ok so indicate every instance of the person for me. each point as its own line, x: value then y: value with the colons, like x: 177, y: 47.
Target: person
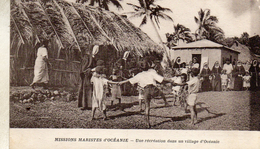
x: 176, y: 89
x: 224, y: 80
x: 229, y: 68
x: 99, y: 94
x: 254, y: 71
x: 40, y: 68
x: 195, y: 63
x: 184, y: 68
x: 147, y: 81
x: 115, y: 88
x: 177, y: 63
x: 238, y: 74
x: 246, y: 81
x: 193, y: 89
x: 85, y: 86
x: 205, y: 74
x: 216, y: 80
x: 247, y: 65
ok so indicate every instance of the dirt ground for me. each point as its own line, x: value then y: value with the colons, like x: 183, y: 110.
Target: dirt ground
x: 216, y: 111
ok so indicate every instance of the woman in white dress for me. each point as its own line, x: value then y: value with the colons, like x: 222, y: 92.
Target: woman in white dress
x: 40, y: 67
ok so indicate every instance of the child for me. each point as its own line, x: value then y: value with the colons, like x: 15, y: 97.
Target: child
x: 246, y: 81
x: 224, y: 80
x: 116, y: 89
x: 99, y: 82
x: 176, y: 89
x: 147, y: 80
x: 193, y: 89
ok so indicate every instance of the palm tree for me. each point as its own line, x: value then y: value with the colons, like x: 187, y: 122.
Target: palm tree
x: 151, y: 11
x: 207, y: 26
x: 180, y: 33
x: 102, y: 3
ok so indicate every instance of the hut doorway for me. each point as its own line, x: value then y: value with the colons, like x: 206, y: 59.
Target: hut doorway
x: 198, y: 56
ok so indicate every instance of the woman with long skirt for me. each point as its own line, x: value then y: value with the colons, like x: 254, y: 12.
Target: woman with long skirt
x: 254, y: 71
x: 205, y: 74
x: 238, y: 74
x: 216, y: 80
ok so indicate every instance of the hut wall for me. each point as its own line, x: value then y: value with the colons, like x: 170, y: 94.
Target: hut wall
x: 186, y: 55
x: 63, y: 73
x: 228, y: 54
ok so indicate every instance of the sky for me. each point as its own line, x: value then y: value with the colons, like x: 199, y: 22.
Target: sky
x: 235, y: 16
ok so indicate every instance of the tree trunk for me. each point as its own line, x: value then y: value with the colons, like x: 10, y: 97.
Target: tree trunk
x: 157, y: 32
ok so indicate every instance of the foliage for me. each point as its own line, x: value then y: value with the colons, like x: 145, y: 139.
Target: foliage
x: 102, y: 3
x: 208, y: 28
x: 147, y: 8
x: 180, y: 33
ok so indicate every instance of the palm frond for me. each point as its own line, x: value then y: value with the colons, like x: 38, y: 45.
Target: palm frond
x: 144, y: 21
x: 116, y: 3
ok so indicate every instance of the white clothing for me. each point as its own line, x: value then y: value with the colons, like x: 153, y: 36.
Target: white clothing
x: 193, y: 88
x: 246, y: 81
x: 176, y: 89
x: 146, y: 78
x: 229, y: 68
x: 224, y: 79
x: 196, y: 65
x: 193, y: 85
x: 184, y: 70
x: 191, y: 99
x: 40, y: 67
x: 98, y: 91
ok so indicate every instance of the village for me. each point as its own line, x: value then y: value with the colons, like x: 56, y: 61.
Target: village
x: 84, y: 44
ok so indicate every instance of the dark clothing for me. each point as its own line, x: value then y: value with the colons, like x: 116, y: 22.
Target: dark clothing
x: 254, y: 81
x: 205, y: 85
x: 216, y: 81
x: 151, y: 91
x: 85, y: 86
x: 238, y: 73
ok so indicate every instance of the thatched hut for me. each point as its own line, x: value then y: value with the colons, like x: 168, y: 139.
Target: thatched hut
x: 245, y: 53
x: 73, y: 29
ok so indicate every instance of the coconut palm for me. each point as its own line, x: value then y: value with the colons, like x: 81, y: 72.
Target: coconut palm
x: 149, y: 10
x: 180, y: 33
x: 207, y: 26
x: 102, y: 3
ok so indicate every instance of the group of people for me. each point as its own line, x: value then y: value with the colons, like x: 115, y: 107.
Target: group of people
x: 236, y: 77
x: 94, y: 83
x: 147, y: 81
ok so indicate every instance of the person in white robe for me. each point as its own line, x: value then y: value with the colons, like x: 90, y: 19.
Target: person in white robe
x: 40, y: 67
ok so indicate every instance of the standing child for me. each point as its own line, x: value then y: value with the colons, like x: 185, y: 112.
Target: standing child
x: 176, y: 89
x: 224, y: 80
x: 115, y: 89
x: 99, y: 83
x: 246, y: 81
x: 193, y: 89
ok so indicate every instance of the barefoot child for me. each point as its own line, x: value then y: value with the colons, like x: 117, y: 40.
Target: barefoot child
x: 193, y: 89
x: 99, y: 82
x: 224, y: 80
x: 147, y: 80
x: 176, y: 89
x: 246, y: 81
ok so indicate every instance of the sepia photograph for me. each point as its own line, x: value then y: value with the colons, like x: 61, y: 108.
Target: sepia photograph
x: 115, y: 65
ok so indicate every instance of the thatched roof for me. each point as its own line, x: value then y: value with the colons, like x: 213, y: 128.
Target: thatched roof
x: 245, y: 53
x: 75, y: 26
